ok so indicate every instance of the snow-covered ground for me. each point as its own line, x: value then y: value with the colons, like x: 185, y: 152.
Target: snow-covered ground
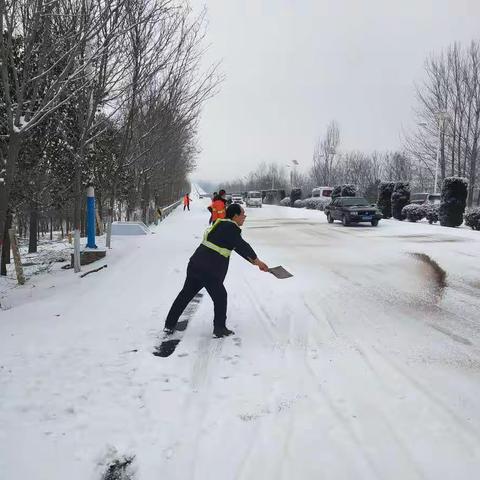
x: 364, y: 365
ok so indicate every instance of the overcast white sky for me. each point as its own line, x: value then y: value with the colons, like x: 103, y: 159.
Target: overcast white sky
x: 291, y: 66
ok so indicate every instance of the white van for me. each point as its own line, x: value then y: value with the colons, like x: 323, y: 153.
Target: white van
x: 323, y: 192
x: 254, y: 199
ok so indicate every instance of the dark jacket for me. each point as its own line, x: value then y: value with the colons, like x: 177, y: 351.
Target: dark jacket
x: 225, y: 235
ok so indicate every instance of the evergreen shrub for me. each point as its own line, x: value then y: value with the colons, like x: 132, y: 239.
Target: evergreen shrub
x: 400, y: 198
x: 453, y: 201
x: 384, y: 202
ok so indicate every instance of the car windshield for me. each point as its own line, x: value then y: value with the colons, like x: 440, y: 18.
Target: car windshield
x: 255, y: 195
x: 327, y: 193
x: 354, y: 201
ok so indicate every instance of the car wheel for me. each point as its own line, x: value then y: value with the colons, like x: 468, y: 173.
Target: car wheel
x: 345, y: 221
x: 374, y: 223
x: 329, y: 218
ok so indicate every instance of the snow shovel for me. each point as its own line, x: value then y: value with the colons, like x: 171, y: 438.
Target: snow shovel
x: 280, y: 272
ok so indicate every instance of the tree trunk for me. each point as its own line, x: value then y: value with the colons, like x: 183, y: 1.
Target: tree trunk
x: 16, y: 256
x: 6, y: 180
x: 442, y: 157
x: 145, y: 200
x: 83, y: 221
x: 33, y: 233
x: 77, y: 196
x: 6, y: 246
x: 472, y: 176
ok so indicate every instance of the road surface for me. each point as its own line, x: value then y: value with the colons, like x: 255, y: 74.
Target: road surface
x: 364, y: 365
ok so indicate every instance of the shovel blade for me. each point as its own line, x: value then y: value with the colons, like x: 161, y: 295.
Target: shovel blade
x: 280, y: 272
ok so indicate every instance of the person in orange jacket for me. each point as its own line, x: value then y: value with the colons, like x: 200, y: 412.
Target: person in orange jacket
x: 218, y: 206
x: 209, y: 208
x: 186, y: 202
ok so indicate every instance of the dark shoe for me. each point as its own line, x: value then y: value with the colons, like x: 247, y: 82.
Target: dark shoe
x: 169, y: 331
x: 222, y: 332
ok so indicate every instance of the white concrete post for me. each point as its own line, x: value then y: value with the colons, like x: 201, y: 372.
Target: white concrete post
x: 109, y: 232
x: 76, y: 251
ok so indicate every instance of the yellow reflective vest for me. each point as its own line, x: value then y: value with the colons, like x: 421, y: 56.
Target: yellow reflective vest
x: 225, y: 252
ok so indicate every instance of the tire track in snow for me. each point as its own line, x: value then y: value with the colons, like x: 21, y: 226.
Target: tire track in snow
x: 265, y: 424
x: 433, y: 399
x: 209, y: 348
x: 381, y: 421
x: 262, y: 314
x: 315, y: 316
x: 347, y: 425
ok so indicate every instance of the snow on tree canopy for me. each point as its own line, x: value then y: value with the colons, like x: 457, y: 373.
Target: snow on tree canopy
x: 349, y: 190
x: 345, y: 190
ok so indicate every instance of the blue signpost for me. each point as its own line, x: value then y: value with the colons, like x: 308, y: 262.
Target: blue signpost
x: 91, y: 218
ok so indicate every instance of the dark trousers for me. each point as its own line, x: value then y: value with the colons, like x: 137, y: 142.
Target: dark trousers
x: 195, y: 281
x: 187, y: 205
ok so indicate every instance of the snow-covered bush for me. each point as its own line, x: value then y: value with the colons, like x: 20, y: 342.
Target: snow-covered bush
x: 431, y: 212
x: 285, y: 202
x: 295, y: 194
x: 453, y: 201
x: 322, y: 202
x: 472, y: 218
x: 384, y: 201
x: 349, y: 190
x: 336, y: 192
x: 400, y: 198
x: 316, y: 203
x: 345, y: 190
x: 299, y: 203
x: 413, y: 212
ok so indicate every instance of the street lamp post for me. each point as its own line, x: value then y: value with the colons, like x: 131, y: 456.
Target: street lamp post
x: 292, y: 166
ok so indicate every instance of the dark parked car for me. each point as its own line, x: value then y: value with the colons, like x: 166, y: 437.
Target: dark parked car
x: 352, y: 210
x: 425, y: 198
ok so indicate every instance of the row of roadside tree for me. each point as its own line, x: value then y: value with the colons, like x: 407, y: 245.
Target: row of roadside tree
x: 446, y: 132
x: 96, y: 92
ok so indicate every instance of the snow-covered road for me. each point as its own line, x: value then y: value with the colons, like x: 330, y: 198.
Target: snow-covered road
x: 364, y: 365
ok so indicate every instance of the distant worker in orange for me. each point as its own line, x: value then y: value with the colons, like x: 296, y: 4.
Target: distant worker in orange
x: 209, y: 208
x: 186, y: 202
x: 218, y: 206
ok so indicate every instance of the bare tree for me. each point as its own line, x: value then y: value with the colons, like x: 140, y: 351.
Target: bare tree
x: 448, y: 117
x: 45, y: 72
x: 324, y: 155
